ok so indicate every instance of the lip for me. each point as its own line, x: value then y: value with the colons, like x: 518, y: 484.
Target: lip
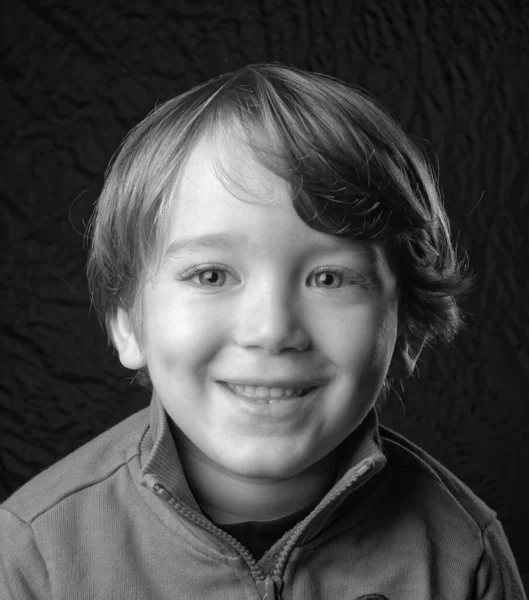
x: 283, y: 409
x: 276, y: 383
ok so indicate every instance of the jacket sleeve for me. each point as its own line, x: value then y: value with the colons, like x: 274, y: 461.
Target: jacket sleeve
x: 23, y: 572
x: 497, y: 576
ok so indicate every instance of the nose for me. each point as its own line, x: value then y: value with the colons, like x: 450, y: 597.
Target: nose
x: 271, y: 320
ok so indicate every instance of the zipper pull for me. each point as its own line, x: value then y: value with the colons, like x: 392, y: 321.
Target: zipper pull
x: 365, y: 468
x: 267, y: 589
x: 160, y: 491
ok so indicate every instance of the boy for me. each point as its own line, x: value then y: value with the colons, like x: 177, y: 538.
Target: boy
x: 269, y: 253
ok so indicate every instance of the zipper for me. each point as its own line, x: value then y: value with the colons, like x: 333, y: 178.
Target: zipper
x: 268, y: 586
x: 267, y: 589
x: 363, y: 469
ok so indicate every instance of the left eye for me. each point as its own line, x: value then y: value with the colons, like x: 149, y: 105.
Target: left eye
x: 213, y: 277
x: 328, y: 279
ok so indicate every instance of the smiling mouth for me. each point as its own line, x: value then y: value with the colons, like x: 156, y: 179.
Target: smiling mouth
x: 263, y: 393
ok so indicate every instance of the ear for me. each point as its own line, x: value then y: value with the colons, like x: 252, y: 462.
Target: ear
x: 405, y: 356
x: 130, y: 353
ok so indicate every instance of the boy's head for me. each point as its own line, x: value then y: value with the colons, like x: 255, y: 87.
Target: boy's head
x: 272, y: 229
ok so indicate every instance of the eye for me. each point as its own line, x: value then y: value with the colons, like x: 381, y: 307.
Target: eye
x: 328, y: 279
x: 212, y: 277
x: 205, y: 276
x: 333, y: 278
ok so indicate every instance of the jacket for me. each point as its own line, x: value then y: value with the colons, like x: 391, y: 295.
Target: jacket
x: 116, y: 520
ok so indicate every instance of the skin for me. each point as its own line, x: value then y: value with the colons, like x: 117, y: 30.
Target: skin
x: 268, y: 310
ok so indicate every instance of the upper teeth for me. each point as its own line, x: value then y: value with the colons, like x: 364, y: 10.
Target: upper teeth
x: 261, y: 391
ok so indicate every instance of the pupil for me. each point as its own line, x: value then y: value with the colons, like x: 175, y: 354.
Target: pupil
x: 212, y: 276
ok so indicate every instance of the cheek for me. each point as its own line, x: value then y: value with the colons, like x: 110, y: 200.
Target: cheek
x: 361, y: 338
x: 177, y: 334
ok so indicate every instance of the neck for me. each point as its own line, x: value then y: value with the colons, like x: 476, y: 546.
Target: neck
x: 228, y: 498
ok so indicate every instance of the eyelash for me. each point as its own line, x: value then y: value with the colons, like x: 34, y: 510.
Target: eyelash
x: 363, y: 280
x: 195, y: 269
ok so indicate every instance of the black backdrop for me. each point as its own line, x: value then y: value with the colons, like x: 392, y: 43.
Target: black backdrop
x: 76, y: 76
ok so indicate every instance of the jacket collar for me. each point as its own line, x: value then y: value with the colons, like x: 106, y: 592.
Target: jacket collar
x: 159, y: 457
x: 160, y: 461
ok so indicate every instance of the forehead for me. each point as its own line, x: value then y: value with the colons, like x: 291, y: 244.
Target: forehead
x: 222, y: 187
x: 223, y: 158
x: 226, y: 200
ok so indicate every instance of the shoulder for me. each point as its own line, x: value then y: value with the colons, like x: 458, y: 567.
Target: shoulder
x: 91, y: 464
x: 450, y: 524
x: 434, y: 488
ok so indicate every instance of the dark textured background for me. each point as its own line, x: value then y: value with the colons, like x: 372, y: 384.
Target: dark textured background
x: 76, y: 76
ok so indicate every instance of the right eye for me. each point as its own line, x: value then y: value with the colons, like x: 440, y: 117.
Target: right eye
x: 213, y: 277
x: 205, y: 276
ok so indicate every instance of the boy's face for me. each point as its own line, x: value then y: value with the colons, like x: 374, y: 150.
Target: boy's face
x: 249, y: 295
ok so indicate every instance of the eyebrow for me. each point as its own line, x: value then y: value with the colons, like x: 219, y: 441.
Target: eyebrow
x: 226, y: 241
x: 218, y: 241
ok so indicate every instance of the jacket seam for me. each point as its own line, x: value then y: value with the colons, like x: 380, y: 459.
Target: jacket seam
x: 80, y: 488
x: 37, y: 545
x: 497, y: 571
x: 430, y: 472
x: 438, y: 480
